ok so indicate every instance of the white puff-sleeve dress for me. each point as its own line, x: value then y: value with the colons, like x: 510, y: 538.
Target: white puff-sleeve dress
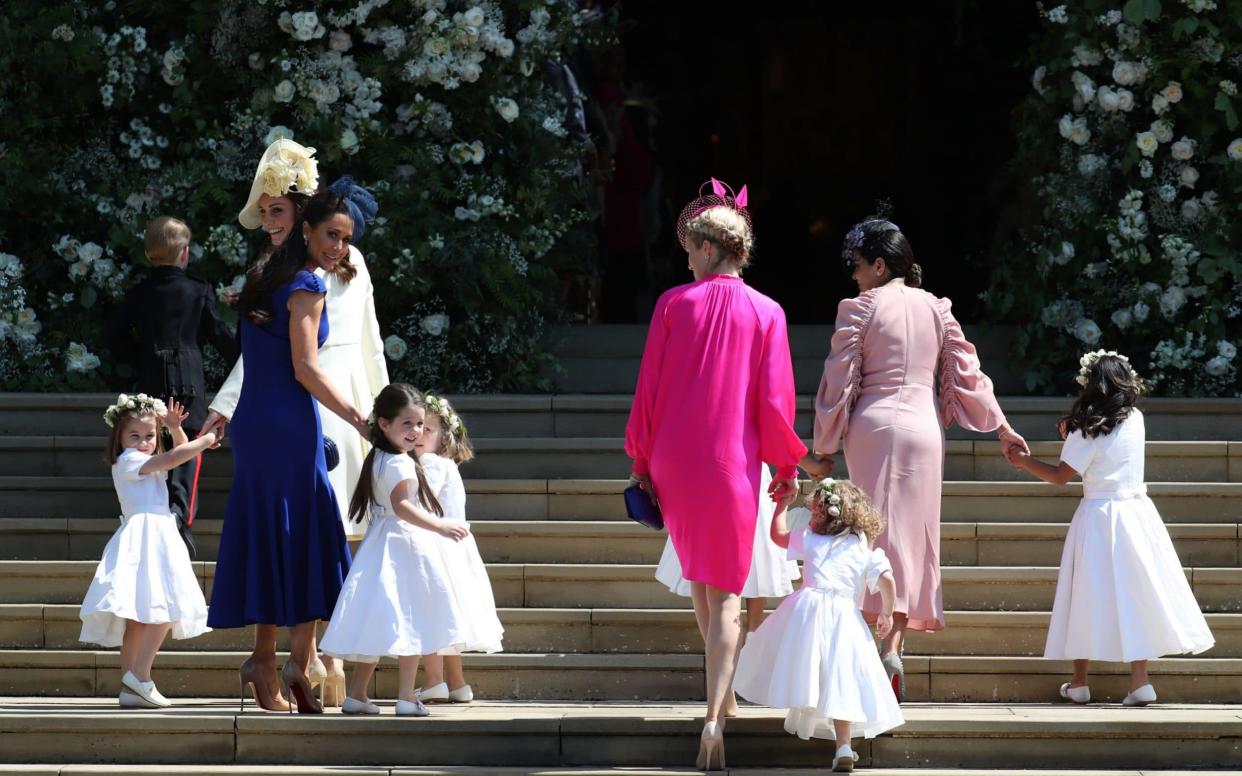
x: 398, y: 599
x: 353, y: 359
x: 1121, y: 592
x: 815, y: 655
x: 145, y: 574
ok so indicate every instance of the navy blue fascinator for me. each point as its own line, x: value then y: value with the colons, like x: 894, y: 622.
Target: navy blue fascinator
x: 361, y: 203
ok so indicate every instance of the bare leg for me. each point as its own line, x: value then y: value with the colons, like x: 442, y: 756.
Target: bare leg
x: 1138, y: 673
x: 896, y: 639
x: 407, y: 673
x: 842, y: 729
x: 433, y: 670
x: 149, y: 642
x: 454, y: 670
x: 302, y: 643
x: 755, y: 613
x: 129, y: 644
x: 724, y: 636
x: 698, y: 597
x: 1080, y: 674
x: 264, y: 654
x: 360, y: 681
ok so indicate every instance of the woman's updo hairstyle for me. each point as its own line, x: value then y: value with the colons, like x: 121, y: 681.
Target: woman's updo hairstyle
x: 726, y: 228
x: 879, y: 238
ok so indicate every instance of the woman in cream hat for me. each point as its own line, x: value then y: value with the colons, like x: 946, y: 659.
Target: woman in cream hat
x: 353, y: 356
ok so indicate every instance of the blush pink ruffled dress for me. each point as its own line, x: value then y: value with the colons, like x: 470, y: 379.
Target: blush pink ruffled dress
x: 715, y: 400
x: 899, y: 373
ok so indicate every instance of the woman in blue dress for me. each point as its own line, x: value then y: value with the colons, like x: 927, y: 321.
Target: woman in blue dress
x: 283, y: 553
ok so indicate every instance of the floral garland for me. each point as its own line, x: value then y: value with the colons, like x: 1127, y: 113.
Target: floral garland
x: 441, y: 407
x: 139, y: 404
x: 1087, y: 361
x: 826, y: 492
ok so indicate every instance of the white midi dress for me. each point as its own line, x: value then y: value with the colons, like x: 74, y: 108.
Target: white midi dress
x: 815, y: 655
x: 145, y: 574
x: 1121, y: 592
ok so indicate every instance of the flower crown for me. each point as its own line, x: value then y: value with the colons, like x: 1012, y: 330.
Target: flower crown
x: 441, y: 407
x: 826, y: 490
x: 140, y: 404
x: 1087, y: 361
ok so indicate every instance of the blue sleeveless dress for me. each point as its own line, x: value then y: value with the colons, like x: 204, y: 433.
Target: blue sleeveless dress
x: 283, y: 554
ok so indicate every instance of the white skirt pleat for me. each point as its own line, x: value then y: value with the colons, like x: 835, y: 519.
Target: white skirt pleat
x: 771, y: 572
x: 472, y: 592
x: 398, y: 599
x: 815, y: 656
x: 1121, y: 592
x: 345, y: 369
x: 145, y: 575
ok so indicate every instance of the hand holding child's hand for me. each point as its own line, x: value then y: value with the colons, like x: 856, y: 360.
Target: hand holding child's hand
x: 454, y: 531
x: 175, y: 415
x: 783, y: 492
x: 884, y: 625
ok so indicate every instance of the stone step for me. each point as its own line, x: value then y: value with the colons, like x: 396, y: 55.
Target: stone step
x: 599, y: 631
x: 1011, y: 738
x: 632, y: 586
x: 646, y: 677
x: 500, y: 770
x: 621, y: 541
x: 604, y: 457
x: 579, y: 500
x: 605, y: 415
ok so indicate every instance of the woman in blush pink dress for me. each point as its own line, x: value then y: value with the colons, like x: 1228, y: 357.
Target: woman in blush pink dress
x: 899, y: 373
x: 715, y: 401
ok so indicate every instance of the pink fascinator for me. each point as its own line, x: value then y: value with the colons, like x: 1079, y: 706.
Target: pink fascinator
x: 721, y: 196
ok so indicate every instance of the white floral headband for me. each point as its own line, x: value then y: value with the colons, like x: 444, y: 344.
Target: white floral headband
x: 1087, y: 361
x: 826, y: 489
x: 140, y: 404
x: 441, y: 407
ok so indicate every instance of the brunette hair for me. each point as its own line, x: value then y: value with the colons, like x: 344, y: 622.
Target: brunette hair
x: 882, y: 239
x: 390, y: 403
x: 1109, y: 396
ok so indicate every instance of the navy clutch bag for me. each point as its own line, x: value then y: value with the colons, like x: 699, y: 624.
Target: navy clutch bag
x: 331, y: 455
x: 641, y: 509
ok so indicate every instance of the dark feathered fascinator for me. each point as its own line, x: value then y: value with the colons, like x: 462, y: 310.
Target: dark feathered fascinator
x: 361, y: 203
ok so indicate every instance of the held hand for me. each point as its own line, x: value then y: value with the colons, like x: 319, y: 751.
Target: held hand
x: 215, y: 442
x: 364, y: 429
x: 783, y: 492
x: 884, y: 625
x: 817, y: 466
x: 454, y: 531
x: 175, y: 415
x: 215, y: 424
x: 1011, y: 438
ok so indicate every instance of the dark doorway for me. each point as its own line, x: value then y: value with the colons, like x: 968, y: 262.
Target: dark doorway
x: 822, y: 109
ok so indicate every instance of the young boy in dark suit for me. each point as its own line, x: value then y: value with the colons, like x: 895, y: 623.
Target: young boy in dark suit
x: 160, y: 330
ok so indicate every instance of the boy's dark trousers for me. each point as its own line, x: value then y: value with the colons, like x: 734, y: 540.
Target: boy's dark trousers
x: 183, y: 494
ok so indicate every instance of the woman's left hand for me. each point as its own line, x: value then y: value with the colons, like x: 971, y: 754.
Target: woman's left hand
x: 1010, y: 438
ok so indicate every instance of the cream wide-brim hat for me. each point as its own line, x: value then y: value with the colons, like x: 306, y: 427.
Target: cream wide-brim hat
x: 286, y: 166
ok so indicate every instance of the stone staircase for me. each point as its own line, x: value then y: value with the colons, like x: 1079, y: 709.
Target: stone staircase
x: 602, y: 664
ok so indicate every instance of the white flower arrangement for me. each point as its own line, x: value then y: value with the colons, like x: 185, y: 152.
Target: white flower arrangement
x: 139, y: 403
x: 1088, y: 360
x: 441, y: 407
x: 395, y: 347
x: 825, y: 491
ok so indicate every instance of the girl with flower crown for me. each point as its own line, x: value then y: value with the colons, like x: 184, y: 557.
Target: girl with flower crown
x: 352, y: 357
x: 814, y: 655
x: 144, y: 587
x: 443, y: 446
x: 1121, y: 593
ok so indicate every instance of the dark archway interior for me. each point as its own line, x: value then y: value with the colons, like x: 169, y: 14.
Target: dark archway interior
x: 822, y: 109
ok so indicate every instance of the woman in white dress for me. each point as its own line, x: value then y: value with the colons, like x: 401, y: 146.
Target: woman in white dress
x: 1121, y: 593
x: 352, y: 357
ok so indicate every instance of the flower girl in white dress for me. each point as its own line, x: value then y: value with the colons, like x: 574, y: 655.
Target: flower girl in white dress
x: 815, y: 655
x: 1121, y: 592
x: 144, y: 587
x: 397, y: 599
x: 444, y: 446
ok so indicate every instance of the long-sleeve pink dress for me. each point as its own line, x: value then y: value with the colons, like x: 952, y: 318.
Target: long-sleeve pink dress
x: 715, y: 400
x: 900, y: 372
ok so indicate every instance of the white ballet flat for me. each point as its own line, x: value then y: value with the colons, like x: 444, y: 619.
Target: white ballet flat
x: 462, y: 694
x: 353, y: 706
x: 129, y: 700
x: 437, y: 693
x: 1140, y: 697
x: 415, y: 709
x: 1078, y: 695
x: 144, y: 690
x: 844, y: 760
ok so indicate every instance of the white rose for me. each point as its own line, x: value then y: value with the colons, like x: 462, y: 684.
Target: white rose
x: 1159, y: 104
x: 90, y: 252
x: 339, y: 40
x: 1172, y: 92
x: 460, y: 152
x: 505, y: 48
x: 435, y: 325
x: 1125, y: 100
x: 1066, y: 126
x: 1210, y: 200
x: 1141, y: 311
x: 79, y: 359
x: 430, y: 17
x: 1183, y: 149
x: 1189, y: 177
x: 1216, y: 367
x: 1125, y: 73
x: 471, y: 72
x: 1191, y: 210
x: 474, y: 17
x: 79, y: 269
x: 1067, y: 251
x: 1235, y: 150
x: 1108, y: 99
x: 1079, y: 135
x: 476, y: 152
x: 1147, y: 143
x: 349, y: 142
x: 285, y: 22
x: 1226, y: 349
x: 508, y: 109
x: 1084, y: 86
x: 1122, y: 318
x: 395, y: 347
x: 1171, y: 301
x: 1087, y: 331
x: 324, y: 93
x: 278, y: 132
x: 1163, y: 130
x: 284, y: 91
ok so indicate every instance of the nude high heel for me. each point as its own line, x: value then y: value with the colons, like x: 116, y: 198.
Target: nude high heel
x: 711, y: 748
x: 296, y: 686
x: 253, y: 676
x: 332, y: 691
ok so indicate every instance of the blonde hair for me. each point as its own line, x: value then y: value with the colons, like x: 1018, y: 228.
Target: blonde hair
x: 454, y: 445
x: 165, y: 239
x: 725, y: 227
x: 857, y: 513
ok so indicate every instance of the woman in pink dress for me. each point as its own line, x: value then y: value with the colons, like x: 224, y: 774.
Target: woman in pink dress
x: 899, y: 373
x: 715, y: 401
